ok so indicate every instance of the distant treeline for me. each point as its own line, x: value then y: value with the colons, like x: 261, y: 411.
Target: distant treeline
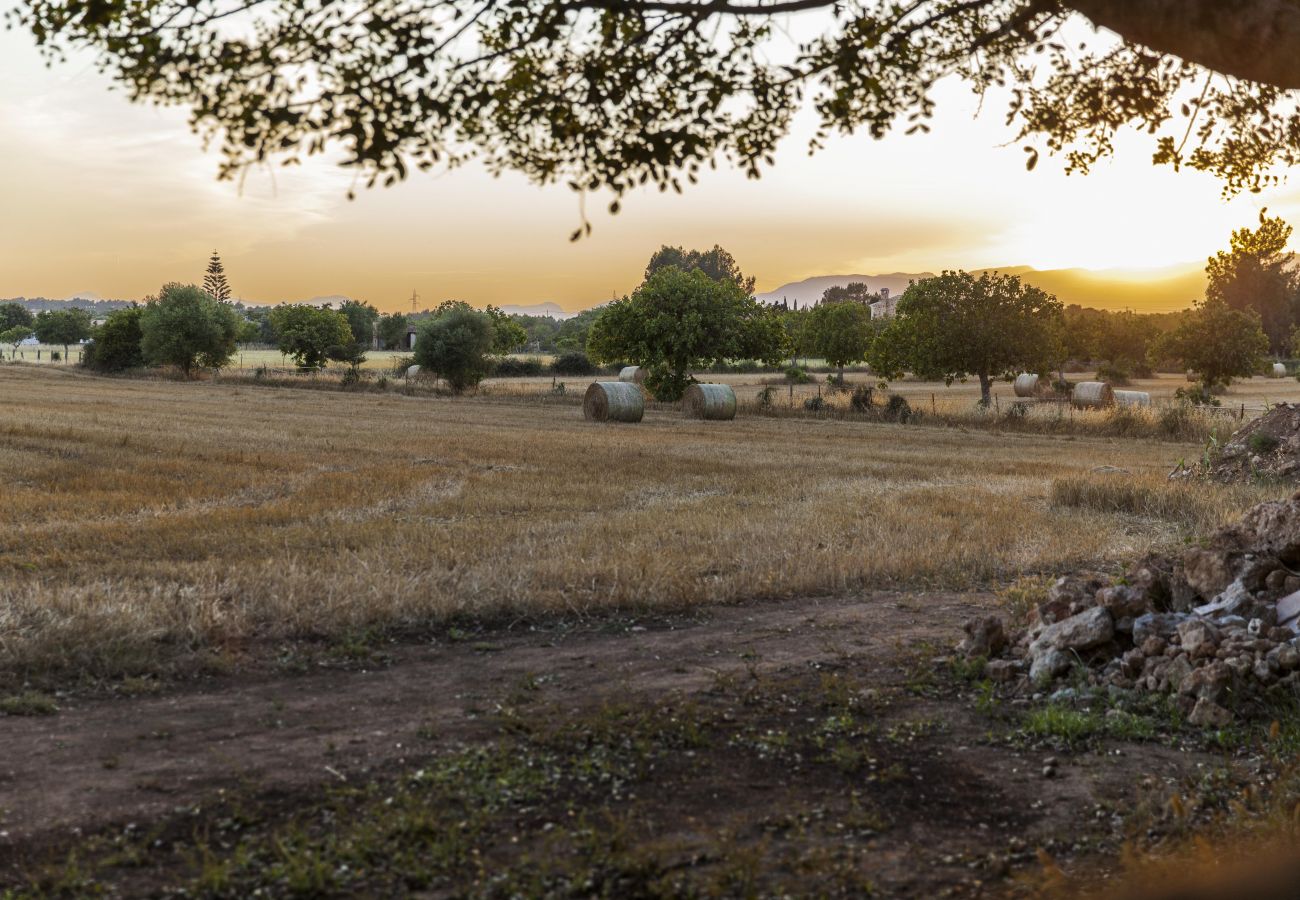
x: 44, y: 304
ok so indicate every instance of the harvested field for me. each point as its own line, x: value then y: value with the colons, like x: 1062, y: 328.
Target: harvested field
x: 155, y: 526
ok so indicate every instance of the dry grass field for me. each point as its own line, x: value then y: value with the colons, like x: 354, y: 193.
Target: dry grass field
x: 153, y: 525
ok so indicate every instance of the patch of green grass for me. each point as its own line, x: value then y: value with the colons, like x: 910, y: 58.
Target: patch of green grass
x: 31, y: 703
x: 1063, y: 723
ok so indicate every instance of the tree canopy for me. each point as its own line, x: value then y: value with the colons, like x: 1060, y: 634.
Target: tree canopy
x: 310, y: 334
x: 677, y: 321
x: 186, y: 327
x: 717, y: 263
x: 615, y: 94
x: 840, y: 333
x: 455, y: 345
x: 1216, y: 342
x: 117, y: 342
x: 62, y: 326
x: 361, y: 320
x: 954, y: 326
x: 1257, y: 273
x: 214, y: 279
x: 13, y: 315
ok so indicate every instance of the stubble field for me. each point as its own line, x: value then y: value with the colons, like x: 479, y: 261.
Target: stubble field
x: 154, y: 525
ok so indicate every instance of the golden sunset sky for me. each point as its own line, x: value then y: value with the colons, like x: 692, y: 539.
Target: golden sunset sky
x: 102, y: 196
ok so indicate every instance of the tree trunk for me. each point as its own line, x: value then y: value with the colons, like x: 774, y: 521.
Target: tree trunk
x: 986, y: 389
x: 1251, y: 39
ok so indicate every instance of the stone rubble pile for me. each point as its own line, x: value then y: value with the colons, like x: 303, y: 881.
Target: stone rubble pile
x: 1267, y: 447
x: 1215, y: 626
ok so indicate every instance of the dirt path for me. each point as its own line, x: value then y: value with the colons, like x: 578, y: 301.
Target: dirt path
x: 966, y: 807
x: 114, y: 760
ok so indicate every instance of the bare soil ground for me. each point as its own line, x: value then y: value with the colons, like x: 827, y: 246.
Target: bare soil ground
x: 812, y: 746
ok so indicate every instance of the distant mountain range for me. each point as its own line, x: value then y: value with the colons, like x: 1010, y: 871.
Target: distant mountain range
x: 1148, y: 290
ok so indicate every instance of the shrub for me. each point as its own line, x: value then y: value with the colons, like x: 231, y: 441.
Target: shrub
x: 1197, y: 394
x: 797, y: 375
x: 513, y: 367
x: 185, y: 327
x: 401, y: 364
x: 814, y: 404
x: 116, y: 345
x: 897, y: 410
x: 863, y: 398
x: 1260, y: 442
x: 574, y: 362
x: 1113, y: 373
x: 455, y: 347
x: 765, y: 397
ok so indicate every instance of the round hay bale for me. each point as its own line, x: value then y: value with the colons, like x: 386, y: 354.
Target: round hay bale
x: 632, y: 374
x: 710, y: 401
x: 1132, y: 398
x: 1279, y: 370
x: 412, y: 372
x: 613, y: 401
x: 1028, y: 384
x: 1093, y: 395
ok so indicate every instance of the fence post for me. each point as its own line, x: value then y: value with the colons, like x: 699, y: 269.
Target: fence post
x: 933, y: 409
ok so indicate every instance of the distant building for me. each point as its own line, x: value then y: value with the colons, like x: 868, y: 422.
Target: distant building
x: 410, y: 337
x: 884, y: 307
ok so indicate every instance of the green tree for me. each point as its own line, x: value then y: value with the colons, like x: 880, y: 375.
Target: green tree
x: 307, y: 334
x: 13, y: 315
x: 117, y: 342
x: 615, y: 94
x: 717, y: 263
x: 840, y: 333
x: 62, y: 326
x: 1216, y: 342
x: 1257, y: 273
x: 955, y: 325
x: 185, y: 327
x: 250, y: 331
x: 392, y: 331
x: 572, y: 332
x: 677, y: 321
x: 361, y: 319
x: 13, y: 336
x: 854, y: 290
x: 456, y: 345
x: 509, y: 334
x: 214, y: 280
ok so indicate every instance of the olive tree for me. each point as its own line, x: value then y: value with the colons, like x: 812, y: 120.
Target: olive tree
x: 840, y: 332
x: 308, y: 334
x: 955, y: 326
x: 1216, y: 342
x: 456, y: 345
x: 14, y: 336
x: 677, y: 321
x: 186, y: 327
x: 62, y: 326
x: 614, y: 94
x: 117, y: 343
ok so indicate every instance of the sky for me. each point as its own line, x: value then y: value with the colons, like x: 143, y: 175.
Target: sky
x: 102, y: 196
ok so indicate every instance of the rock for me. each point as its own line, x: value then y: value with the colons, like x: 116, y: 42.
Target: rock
x: 1153, y: 645
x: 1132, y: 662
x: 1209, y: 572
x: 1087, y: 629
x: 1199, y: 638
x: 1287, y: 657
x: 1291, y: 585
x: 1178, y: 669
x: 1211, y: 681
x: 984, y: 637
x: 1239, y: 665
x: 1076, y: 590
x: 1288, y: 608
x: 1122, y: 600
x: 1208, y: 714
x: 1263, y: 672
x: 1156, y: 625
x: 1275, y: 581
x: 1048, y: 665
x: 1152, y: 575
x: 1272, y: 528
x: 1003, y: 670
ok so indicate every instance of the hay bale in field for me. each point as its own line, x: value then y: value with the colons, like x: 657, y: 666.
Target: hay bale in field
x: 412, y: 372
x: 1093, y: 395
x: 1132, y: 398
x: 710, y: 401
x: 613, y: 401
x: 632, y: 374
x: 1279, y: 370
x: 1028, y: 384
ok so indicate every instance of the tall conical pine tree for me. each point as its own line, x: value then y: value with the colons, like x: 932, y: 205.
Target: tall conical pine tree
x: 214, y: 282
